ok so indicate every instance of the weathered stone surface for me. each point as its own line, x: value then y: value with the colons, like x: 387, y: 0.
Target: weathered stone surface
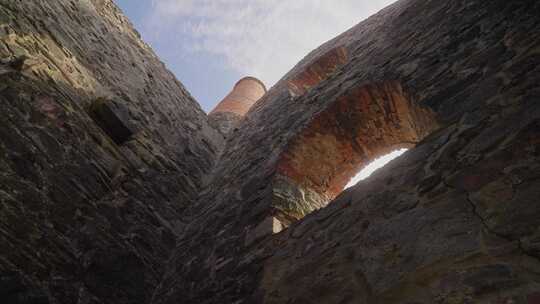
x: 407, y: 246
x: 269, y: 226
x: 113, y: 118
x: 84, y: 219
x: 225, y: 122
x: 14, y: 290
x: 454, y: 220
x: 424, y: 230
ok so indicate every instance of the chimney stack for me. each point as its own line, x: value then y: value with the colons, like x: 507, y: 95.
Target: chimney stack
x: 237, y: 103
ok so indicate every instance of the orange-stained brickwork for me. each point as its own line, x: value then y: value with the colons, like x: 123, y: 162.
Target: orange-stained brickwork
x: 366, y: 122
x: 244, y: 94
x: 318, y: 71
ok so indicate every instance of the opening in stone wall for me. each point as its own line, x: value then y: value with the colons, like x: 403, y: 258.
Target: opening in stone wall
x: 374, y: 166
x: 364, y: 123
x: 113, y: 118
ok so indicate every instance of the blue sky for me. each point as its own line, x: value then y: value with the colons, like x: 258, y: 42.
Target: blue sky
x: 210, y: 44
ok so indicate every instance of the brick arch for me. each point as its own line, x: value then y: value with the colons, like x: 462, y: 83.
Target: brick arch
x: 364, y: 123
x: 318, y: 71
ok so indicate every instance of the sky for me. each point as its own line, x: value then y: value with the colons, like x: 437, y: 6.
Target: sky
x: 211, y: 44
x: 373, y: 166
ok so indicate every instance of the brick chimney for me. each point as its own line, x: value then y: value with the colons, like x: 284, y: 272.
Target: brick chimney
x: 237, y: 103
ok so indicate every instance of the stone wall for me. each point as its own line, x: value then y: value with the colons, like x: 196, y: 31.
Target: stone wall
x: 445, y: 223
x: 101, y: 150
x: 111, y: 191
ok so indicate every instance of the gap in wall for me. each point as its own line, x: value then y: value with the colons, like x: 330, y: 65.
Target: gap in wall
x: 374, y: 166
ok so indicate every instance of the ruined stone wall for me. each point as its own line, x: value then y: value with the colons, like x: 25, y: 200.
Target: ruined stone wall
x: 101, y: 150
x: 107, y: 165
x: 446, y: 223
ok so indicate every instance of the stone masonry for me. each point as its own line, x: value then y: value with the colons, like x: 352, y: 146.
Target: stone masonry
x: 115, y: 187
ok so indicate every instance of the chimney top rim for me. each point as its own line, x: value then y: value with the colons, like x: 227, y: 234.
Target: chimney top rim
x: 251, y: 78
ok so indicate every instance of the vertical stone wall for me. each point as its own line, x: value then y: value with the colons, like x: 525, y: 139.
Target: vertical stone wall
x: 101, y: 150
x: 107, y: 165
x: 416, y: 232
x: 453, y: 220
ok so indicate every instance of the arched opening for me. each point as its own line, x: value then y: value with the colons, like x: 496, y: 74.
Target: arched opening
x: 366, y: 122
x: 374, y: 166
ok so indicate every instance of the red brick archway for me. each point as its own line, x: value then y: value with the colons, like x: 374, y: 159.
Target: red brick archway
x: 366, y: 122
x: 317, y: 71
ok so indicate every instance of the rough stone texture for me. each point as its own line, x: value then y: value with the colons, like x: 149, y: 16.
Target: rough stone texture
x: 410, y: 234
x: 454, y: 220
x: 82, y: 218
x: 225, y: 122
x: 230, y: 111
x: 113, y: 118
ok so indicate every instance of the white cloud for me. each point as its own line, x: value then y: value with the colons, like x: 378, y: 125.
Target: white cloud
x: 263, y: 38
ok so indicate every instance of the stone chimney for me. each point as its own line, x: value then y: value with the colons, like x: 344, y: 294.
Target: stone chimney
x: 237, y: 103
